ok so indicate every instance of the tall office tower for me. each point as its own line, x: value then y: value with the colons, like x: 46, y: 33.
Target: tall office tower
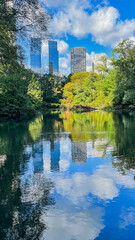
x: 78, y: 59
x: 53, y: 58
x: 35, y: 55
x: 79, y: 152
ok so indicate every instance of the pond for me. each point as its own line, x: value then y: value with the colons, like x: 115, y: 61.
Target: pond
x: 68, y: 176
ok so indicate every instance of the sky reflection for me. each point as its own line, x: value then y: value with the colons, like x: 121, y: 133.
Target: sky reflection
x: 72, y: 179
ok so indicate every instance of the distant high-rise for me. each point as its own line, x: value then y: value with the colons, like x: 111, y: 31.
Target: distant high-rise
x: 78, y: 59
x: 35, y: 55
x: 53, y: 58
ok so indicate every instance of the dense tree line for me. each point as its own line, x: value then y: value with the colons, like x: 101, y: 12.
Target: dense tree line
x: 113, y: 87
x: 21, y: 90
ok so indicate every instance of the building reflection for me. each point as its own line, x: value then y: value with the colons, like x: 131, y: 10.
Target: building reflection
x: 79, y: 152
x: 55, y: 155
x: 37, y: 154
x: 46, y: 156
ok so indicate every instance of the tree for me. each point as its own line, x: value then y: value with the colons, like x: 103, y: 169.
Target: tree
x: 20, y: 89
x: 123, y: 60
x: 102, y: 66
x: 24, y: 19
x: 84, y: 89
x: 35, y: 92
x: 32, y: 18
x: 49, y: 86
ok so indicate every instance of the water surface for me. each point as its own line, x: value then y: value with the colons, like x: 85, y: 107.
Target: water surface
x: 68, y: 176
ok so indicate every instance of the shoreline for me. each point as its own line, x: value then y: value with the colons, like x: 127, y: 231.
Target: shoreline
x: 75, y: 109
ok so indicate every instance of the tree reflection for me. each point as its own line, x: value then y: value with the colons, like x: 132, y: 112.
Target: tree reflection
x: 20, y: 219
x: 105, y: 129
x: 125, y: 142
x: 25, y: 191
x: 97, y: 127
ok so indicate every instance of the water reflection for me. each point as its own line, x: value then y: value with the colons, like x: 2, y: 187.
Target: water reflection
x: 64, y: 176
x: 72, y: 223
x: 79, y: 152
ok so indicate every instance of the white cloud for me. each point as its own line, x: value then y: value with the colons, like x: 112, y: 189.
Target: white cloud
x: 104, y: 24
x: 62, y: 46
x: 89, y: 60
x: 63, y: 63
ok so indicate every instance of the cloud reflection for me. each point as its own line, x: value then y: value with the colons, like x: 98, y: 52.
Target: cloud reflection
x: 62, y: 223
x: 103, y: 183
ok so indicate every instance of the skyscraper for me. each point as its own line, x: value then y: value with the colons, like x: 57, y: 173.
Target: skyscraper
x: 35, y: 55
x: 78, y: 59
x: 53, y: 58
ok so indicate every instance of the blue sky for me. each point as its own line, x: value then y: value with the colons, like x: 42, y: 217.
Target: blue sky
x: 97, y: 25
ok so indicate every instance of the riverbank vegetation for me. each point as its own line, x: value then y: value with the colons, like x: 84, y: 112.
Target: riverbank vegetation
x: 23, y: 92
x: 113, y: 88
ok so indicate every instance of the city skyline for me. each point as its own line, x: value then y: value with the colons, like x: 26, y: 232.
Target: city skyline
x: 96, y: 25
x: 44, y: 57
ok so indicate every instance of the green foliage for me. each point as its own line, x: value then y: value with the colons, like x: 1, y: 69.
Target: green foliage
x: 51, y: 88
x: 13, y: 96
x: 109, y: 88
x: 88, y: 89
x: 22, y: 91
x: 35, y: 92
x: 124, y: 62
x: 102, y: 68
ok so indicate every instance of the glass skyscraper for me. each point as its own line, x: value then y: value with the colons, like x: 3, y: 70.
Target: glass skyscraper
x: 78, y: 59
x: 53, y: 58
x: 35, y: 55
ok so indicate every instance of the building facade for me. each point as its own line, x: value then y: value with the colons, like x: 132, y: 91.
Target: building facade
x: 53, y: 58
x: 35, y: 55
x: 78, y: 59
